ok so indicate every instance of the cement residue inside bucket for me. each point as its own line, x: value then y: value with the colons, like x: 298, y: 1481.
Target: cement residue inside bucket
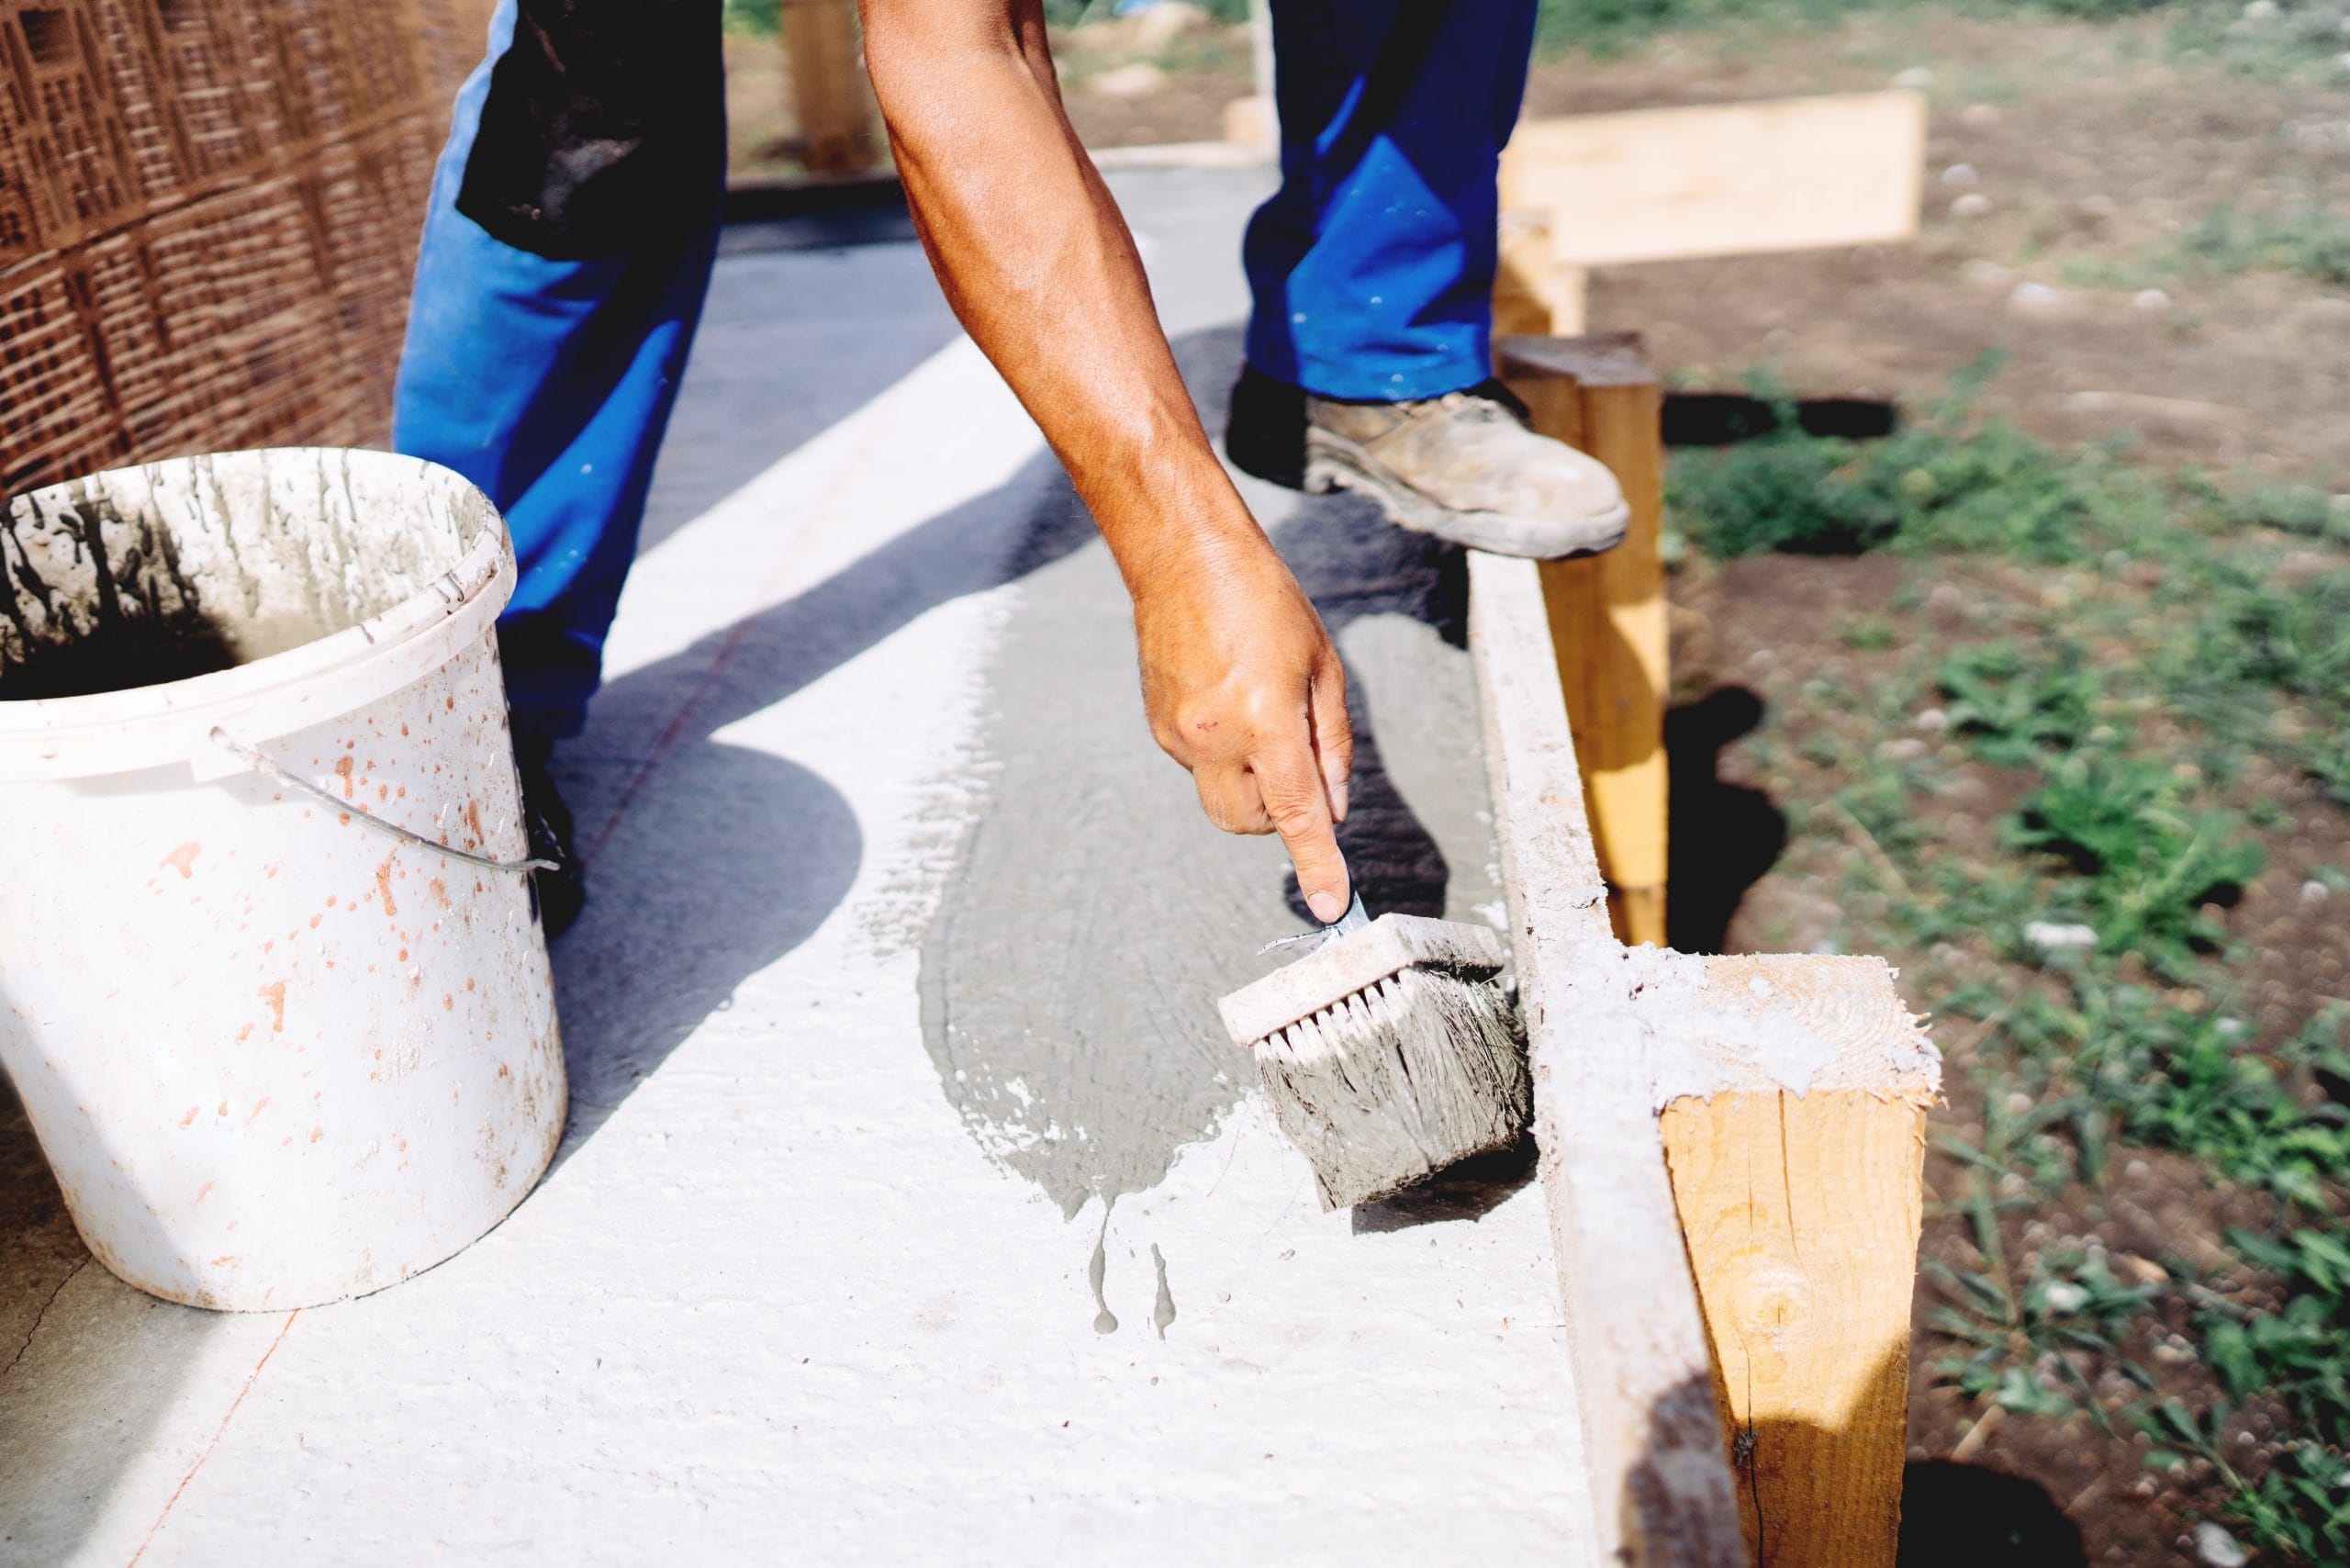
x: 145, y: 576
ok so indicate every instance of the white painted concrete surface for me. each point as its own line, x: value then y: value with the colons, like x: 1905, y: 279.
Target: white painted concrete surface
x: 775, y: 1303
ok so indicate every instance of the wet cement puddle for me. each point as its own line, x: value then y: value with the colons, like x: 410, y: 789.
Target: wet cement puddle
x: 1070, y: 977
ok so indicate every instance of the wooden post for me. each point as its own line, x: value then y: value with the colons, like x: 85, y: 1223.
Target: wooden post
x: 1800, y: 1205
x: 1607, y: 613
x: 1801, y: 1216
x: 1732, y: 1151
x: 1519, y: 309
x: 828, y: 86
x: 1535, y: 294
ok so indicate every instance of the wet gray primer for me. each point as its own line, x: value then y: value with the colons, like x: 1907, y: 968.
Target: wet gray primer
x: 1093, y: 916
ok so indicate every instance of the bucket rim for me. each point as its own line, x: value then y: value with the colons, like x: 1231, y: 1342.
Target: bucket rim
x: 134, y: 727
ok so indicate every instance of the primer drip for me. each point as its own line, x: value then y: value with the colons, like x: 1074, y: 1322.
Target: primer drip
x: 1104, y: 1320
x: 1162, y: 1311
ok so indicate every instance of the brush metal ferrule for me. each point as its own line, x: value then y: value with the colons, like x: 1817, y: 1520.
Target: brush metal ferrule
x: 1356, y: 962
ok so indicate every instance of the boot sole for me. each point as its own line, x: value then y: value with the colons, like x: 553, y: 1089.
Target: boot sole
x: 1334, y: 463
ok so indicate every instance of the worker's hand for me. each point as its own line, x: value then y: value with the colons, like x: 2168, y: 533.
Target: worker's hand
x: 1243, y: 688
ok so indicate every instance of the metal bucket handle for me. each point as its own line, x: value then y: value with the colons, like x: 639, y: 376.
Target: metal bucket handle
x: 260, y: 762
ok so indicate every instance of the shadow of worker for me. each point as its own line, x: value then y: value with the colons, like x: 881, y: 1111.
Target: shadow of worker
x: 713, y: 861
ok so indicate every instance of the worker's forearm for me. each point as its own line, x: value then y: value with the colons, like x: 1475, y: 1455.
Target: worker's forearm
x: 1238, y: 676
x: 1040, y: 268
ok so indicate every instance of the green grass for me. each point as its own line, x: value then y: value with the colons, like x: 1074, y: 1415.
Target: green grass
x: 2147, y: 858
x: 759, y: 18
x: 1949, y: 481
x: 2310, y: 240
x: 2169, y: 637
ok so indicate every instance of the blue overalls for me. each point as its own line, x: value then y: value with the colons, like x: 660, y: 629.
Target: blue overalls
x: 567, y: 250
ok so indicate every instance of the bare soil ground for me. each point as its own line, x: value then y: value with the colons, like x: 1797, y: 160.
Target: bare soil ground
x: 2092, y: 152
x: 2089, y: 147
x: 1765, y: 627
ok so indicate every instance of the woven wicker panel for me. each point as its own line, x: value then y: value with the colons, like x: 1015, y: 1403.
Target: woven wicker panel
x: 451, y: 39
x: 369, y: 250
x: 208, y: 212
x: 16, y: 215
x: 226, y: 96
x: 75, y: 155
x: 59, y: 413
x: 142, y: 98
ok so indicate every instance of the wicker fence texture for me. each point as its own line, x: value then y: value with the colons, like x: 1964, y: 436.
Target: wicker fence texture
x: 208, y: 212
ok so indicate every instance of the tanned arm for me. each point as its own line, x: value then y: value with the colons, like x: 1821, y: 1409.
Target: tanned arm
x: 1239, y: 681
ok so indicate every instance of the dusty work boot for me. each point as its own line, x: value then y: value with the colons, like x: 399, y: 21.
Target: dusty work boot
x: 560, y: 894
x: 1462, y: 466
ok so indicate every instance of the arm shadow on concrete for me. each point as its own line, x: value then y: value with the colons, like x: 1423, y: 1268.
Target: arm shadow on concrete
x: 88, y: 1365
x: 717, y: 860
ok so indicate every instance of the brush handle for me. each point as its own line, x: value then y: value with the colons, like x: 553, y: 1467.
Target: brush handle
x: 1355, y: 919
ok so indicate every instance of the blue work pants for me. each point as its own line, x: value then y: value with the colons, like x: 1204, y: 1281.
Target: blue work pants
x: 543, y: 364
x: 548, y: 381
x: 1372, y: 267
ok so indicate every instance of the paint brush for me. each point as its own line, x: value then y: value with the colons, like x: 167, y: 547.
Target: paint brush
x: 1389, y: 1052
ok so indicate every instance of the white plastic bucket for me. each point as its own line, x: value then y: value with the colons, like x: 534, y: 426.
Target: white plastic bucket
x: 277, y: 1055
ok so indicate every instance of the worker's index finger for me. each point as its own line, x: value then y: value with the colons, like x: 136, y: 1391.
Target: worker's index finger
x: 1290, y: 781
x: 1334, y: 735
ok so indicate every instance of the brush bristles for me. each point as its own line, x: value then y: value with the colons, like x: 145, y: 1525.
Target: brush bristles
x: 1398, y: 1080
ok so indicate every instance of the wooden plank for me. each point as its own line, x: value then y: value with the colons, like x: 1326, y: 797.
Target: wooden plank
x: 1608, y: 612
x: 1653, y: 1445
x: 1801, y: 1216
x: 829, y: 94
x: 1722, y: 179
x: 1533, y: 295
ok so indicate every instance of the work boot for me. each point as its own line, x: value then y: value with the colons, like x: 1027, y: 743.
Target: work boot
x: 1463, y: 466
x: 557, y: 895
